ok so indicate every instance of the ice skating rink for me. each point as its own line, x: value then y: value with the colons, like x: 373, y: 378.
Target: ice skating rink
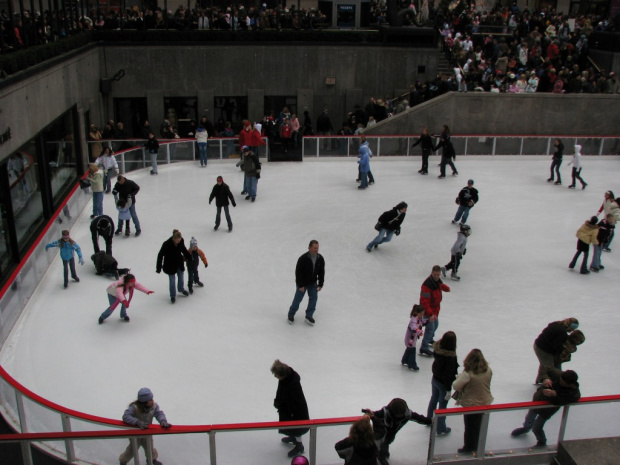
x: 207, y: 358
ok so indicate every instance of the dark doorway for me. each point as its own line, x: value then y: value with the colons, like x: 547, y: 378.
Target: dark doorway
x: 230, y: 109
x: 275, y: 104
x: 132, y: 112
x: 180, y: 111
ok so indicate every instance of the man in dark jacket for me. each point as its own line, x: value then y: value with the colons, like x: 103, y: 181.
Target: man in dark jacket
x: 467, y: 198
x: 427, y: 148
x: 388, y: 225
x: 171, y: 259
x: 394, y: 416
x: 560, y: 388
x: 309, y: 276
x: 103, y: 226
x: 430, y: 298
x: 221, y: 193
x: 125, y: 189
x: 324, y: 128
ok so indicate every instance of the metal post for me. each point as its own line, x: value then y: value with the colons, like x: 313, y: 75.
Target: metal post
x: 431, y: 441
x: 313, y: 445
x: 144, y: 157
x: 482, y: 439
x: 465, y: 150
x: 600, y: 149
x: 212, y: 455
x: 303, y: 147
x: 378, y: 146
x: 26, y: 452
x: 149, y: 449
x: 318, y: 141
x: 408, y: 145
x: 168, y: 152
x: 135, y: 449
x: 563, y: 423
x: 521, y: 148
x: 548, y: 145
x: 21, y: 412
x: 494, y: 144
x: 69, y: 449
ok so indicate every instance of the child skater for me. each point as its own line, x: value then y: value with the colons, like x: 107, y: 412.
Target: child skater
x: 458, y: 250
x: 576, y: 174
x: 413, y: 333
x: 196, y: 254
x: 67, y: 246
x: 121, y: 292
x: 124, y: 215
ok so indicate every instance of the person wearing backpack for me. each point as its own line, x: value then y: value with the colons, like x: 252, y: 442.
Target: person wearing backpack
x: 388, y: 225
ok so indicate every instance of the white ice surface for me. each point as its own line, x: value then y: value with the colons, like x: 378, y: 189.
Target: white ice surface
x: 207, y: 357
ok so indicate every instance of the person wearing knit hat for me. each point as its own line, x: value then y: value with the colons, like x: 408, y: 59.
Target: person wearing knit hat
x: 197, y: 256
x: 121, y: 292
x: 221, y: 193
x: 467, y: 198
x: 140, y: 414
x: 67, y: 247
x: 559, y: 389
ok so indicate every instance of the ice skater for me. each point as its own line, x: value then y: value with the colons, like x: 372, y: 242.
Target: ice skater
x: 605, y: 231
x: 467, y: 198
x: 67, y: 248
x: 431, y: 295
x: 121, y: 292
x: 309, y: 276
x: 427, y: 148
x: 610, y: 206
x: 197, y: 256
x: 170, y: 259
x: 140, y: 413
x: 152, y: 147
x: 448, y: 155
x: 459, y: 249
x: 559, y: 388
x: 365, y: 146
x: 107, y: 264
x: 124, y: 215
x: 586, y: 235
x: 96, y: 183
x: 388, y: 224
x: 128, y: 189
x: 290, y: 402
x: 556, y: 161
x: 102, y: 226
x: 576, y: 173
x: 363, y: 160
x: 394, y: 416
x: 549, y: 344
x: 361, y: 446
x: 221, y: 193
x: 445, y: 368
x: 412, y: 334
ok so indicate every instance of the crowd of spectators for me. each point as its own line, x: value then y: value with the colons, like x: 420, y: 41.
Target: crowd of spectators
x: 508, y: 50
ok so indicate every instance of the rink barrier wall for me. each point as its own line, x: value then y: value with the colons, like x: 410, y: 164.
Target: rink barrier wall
x: 17, y: 403
x: 14, y: 397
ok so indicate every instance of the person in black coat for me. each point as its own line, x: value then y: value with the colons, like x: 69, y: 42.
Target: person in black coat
x: 291, y: 405
x: 388, y: 225
x: 309, y: 276
x: 550, y: 342
x: 427, y: 148
x: 445, y: 369
x: 560, y: 388
x: 103, y: 226
x: 556, y: 161
x: 394, y: 416
x: 448, y: 154
x: 221, y: 193
x: 467, y: 198
x: 127, y: 189
x: 170, y: 259
x: 361, y: 447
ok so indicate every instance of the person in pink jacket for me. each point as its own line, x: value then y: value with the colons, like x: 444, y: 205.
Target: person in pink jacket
x: 121, y: 291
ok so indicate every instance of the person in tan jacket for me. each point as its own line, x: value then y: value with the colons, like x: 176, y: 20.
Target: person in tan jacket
x: 473, y: 388
x: 586, y: 235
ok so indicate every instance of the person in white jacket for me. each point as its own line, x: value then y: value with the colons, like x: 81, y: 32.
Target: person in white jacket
x: 458, y: 250
x: 121, y: 291
x: 202, y: 137
x: 576, y: 162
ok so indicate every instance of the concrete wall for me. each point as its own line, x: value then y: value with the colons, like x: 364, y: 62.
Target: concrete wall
x: 259, y: 70
x: 33, y: 103
x: 488, y: 113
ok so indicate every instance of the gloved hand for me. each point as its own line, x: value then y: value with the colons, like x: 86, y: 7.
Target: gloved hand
x: 397, y: 232
x: 165, y: 424
x: 234, y: 204
x: 81, y: 261
x: 150, y: 292
x: 47, y: 247
x: 158, y: 271
x: 464, y: 251
x: 209, y: 202
x: 206, y: 265
x: 459, y: 255
x: 143, y: 425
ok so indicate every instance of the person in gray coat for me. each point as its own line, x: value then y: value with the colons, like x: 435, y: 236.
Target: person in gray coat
x: 458, y: 250
x: 140, y: 414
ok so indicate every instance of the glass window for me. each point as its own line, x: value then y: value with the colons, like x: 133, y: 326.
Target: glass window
x: 230, y: 109
x: 180, y: 111
x: 26, y: 198
x: 61, y: 156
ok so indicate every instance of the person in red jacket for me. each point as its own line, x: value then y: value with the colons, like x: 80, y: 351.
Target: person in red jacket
x: 430, y: 299
x: 257, y: 139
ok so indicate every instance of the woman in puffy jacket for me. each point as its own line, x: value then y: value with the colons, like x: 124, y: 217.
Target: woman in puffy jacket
x: 586, y: 235
x: 121, y: 292
x: 610, y: 206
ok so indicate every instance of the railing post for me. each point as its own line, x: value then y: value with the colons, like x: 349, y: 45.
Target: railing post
x: 494, y: 145
x: 26, y: 452
x: 212, y: 455
x: 21, y: 412
x: 482, y: 438
x: 431, y: 441
x: 521, y: 147
x: 168, y: 153
x: 378, y: 146
x: 143, y: 157
x: 123, y: 169
x: 548, y: 145
x: 69, y: 449
x: 313, y: 445
x: 149, y: 449
x: 600, y: 149
x: 135, y: 449
x: 563, y: 423
x: 465, y: 150
x: 303, y: 148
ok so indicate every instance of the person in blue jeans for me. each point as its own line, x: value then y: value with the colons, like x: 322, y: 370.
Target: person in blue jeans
x: 202, y: 138
x: 121, y: 292
x: 170, y: 259
x: 309, y: 277
x: 388, y: 224
x: 67, y: 247
x: 445, y: 369
x: 467, y: 198
x: 431, y: 295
